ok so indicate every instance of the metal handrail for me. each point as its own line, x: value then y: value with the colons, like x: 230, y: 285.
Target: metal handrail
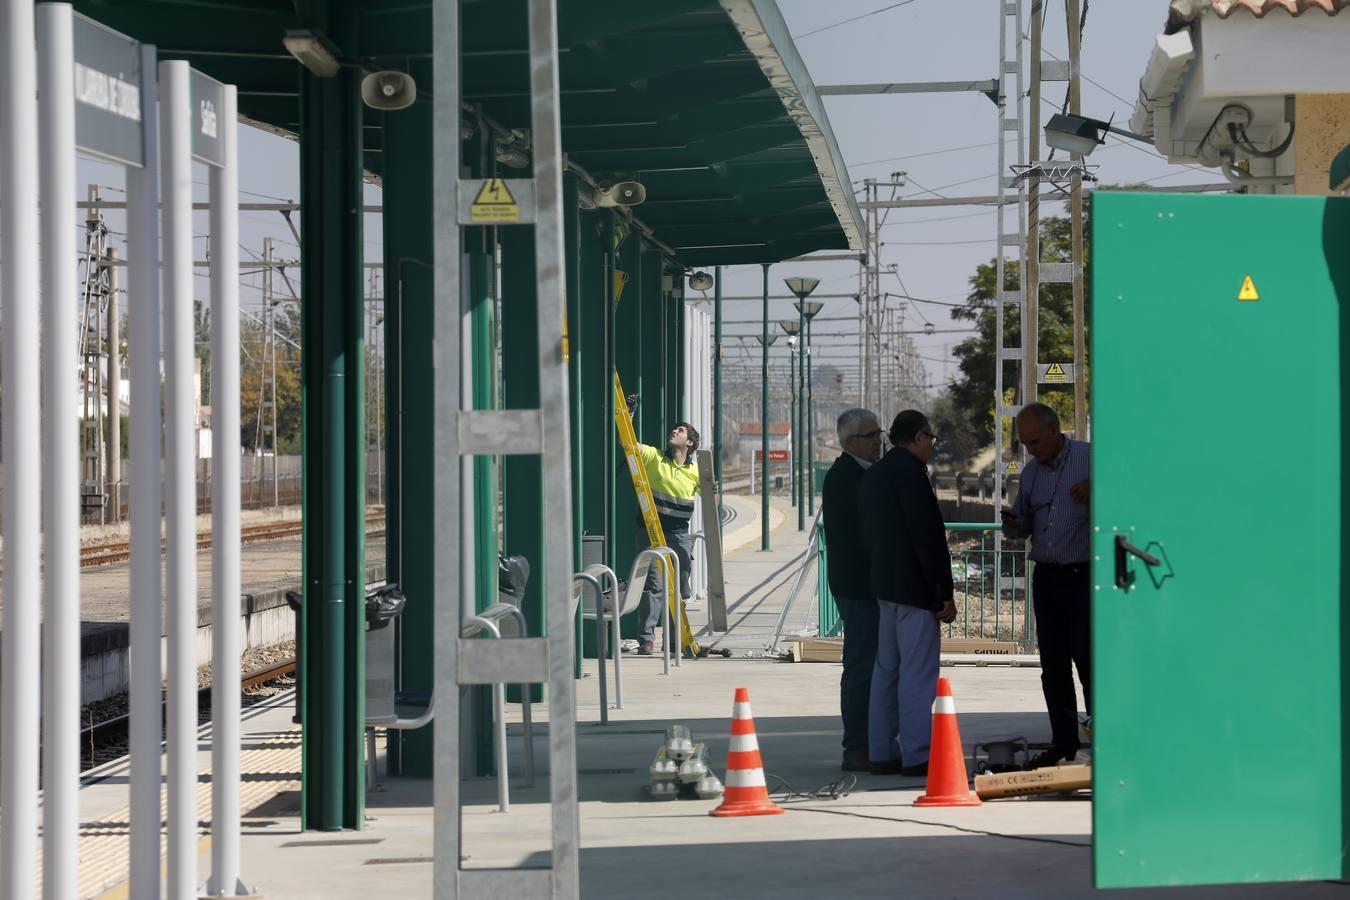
x: 592, y: 576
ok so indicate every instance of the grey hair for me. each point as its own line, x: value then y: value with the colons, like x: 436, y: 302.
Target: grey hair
x: 1042, y: 415
x: 851, y: 420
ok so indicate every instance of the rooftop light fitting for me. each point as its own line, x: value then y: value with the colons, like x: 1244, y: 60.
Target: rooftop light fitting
x: 313, y: 51
x: 700, y: 281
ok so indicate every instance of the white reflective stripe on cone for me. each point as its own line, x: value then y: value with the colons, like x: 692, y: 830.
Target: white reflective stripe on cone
x: 745, y: 778
x: 741, y: 711
x: 944, y: 705
x: 741, y: 743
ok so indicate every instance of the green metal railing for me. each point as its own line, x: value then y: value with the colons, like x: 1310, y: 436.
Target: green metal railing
x: 993, y: 592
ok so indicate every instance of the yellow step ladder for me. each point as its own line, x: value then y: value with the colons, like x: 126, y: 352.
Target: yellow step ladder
x: 655, y: 536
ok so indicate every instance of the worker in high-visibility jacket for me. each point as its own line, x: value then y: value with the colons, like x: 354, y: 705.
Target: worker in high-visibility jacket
x: 675, y: 483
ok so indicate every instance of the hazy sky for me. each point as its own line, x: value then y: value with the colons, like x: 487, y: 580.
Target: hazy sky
x: 945, y: 142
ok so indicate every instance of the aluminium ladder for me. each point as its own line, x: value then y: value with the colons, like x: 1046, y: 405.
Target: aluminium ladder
x: 461, y: 432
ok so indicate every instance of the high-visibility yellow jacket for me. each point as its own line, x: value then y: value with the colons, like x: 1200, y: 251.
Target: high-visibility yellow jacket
x: 674, y: 486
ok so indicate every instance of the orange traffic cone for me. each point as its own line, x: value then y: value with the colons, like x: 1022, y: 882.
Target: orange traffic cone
x: 947, y: 782
x: 746, y: 793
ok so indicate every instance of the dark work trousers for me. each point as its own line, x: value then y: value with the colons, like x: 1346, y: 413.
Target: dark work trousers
x: 649, y: 611
x: 1064, y: 631
x: 860, y: 655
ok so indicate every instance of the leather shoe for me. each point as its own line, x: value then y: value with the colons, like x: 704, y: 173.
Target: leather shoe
x: 1047, y: 758
x: 885, y: 767
x: 855, y: 761
x: 919, y: 771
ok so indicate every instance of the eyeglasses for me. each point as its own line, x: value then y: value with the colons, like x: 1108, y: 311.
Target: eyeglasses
x: 868, y: 435
x: 932, y: 437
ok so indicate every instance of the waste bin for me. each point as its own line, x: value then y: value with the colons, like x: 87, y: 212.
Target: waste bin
x: 383, y: 606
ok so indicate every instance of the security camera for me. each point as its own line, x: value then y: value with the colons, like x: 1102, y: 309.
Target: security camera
x: 388, y: 90
x: 619, y: 193
x: 792, y: 342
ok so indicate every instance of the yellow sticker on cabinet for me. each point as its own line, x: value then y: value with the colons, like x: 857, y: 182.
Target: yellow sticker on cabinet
x: 1248, y: 291
x: 494, y: 203
x: 1055, y: 374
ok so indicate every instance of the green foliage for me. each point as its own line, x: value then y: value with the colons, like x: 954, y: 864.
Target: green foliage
x: 969, y: 414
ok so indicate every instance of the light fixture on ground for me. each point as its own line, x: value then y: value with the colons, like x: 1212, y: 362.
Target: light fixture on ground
x: 700, y: 281
x: 388, y: 90
x: 313, y: 51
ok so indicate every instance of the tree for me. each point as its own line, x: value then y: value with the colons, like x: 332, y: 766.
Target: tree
x: 252, y: 341
x: 972, y: 394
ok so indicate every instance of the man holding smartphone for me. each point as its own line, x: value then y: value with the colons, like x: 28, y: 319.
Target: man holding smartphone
x: 1052, y: 508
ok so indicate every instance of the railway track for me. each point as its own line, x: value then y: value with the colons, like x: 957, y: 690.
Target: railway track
x: 120, y: 551
x: 103, y: 741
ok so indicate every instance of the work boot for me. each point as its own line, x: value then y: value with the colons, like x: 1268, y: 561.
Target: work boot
x: 885, y: 767
x: 919, y: 771
x: 856, y: 761
x: 645, y: 648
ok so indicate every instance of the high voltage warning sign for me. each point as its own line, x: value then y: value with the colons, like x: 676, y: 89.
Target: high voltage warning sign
x: 1248, y: 290
x: 1012, y: 468
x: 1056, y: 373
x: 494, y: 204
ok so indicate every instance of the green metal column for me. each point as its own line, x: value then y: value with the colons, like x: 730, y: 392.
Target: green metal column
x: 717, y: 376
x: 411, y: 526
x: 630, y: 323
x: 798, y: 444
x: 764, y: 421
x: 332, y: 317
x: 808, y: 433
x: 590, y: 346
x: 655, y: 425
x: 611, y: 460
x: 480, y: 248
x: 679, y: 406
x: 522, y: 476
x: 572, y: 351
x: 792, y: 394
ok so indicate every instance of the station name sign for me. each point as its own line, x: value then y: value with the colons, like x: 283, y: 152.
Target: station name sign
x: 110, y: 92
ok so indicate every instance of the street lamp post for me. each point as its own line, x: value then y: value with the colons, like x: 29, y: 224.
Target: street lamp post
x: 791, y: 329
x: 802, y: 288
x: 808, y: 310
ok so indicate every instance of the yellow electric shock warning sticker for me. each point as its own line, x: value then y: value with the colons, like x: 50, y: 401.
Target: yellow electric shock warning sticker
x: 1012, y: 468
x: 1055, y: 374
x: 494, y: 204
x: 1248, y: 290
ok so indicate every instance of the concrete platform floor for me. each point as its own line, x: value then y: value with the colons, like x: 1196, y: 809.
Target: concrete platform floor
x: 871, y: 843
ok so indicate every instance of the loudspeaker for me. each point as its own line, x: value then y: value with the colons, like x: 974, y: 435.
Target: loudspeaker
x: 620, y: 193
x: 388, y: 90
x: 700, y: 281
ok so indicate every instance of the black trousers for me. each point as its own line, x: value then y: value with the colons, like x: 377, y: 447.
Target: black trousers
x: 1062, y: 598
x: 860, y: 655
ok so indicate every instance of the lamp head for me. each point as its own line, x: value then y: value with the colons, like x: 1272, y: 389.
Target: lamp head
x: 808, y: 308
x: 312, y: 51
x: 700, y: 281
x: 802, y: 287
x: 1075, y: 134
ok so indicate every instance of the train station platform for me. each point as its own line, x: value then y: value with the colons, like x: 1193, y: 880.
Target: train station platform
x: 870, y: 843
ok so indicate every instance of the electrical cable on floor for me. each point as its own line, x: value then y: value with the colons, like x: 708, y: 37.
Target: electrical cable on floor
x: 785, y: 793
x: 976, y: 831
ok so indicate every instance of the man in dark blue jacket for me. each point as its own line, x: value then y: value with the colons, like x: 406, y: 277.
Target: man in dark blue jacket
x: 911, y: 577
x: 860, y: 436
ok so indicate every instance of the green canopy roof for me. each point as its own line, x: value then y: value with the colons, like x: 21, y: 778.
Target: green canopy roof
x: 706, y: 101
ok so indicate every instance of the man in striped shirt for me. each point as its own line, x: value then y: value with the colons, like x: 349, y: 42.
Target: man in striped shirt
x: 675, y: 482
x: 1052, y: 507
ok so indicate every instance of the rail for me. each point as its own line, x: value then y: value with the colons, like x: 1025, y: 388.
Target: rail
x: 992, y: 590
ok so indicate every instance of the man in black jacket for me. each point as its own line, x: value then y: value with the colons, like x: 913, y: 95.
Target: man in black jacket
x: 860, y: 436
x: 911, y: 576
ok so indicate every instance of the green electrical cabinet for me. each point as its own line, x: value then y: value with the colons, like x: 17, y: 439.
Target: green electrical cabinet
x: 1217, y: 451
